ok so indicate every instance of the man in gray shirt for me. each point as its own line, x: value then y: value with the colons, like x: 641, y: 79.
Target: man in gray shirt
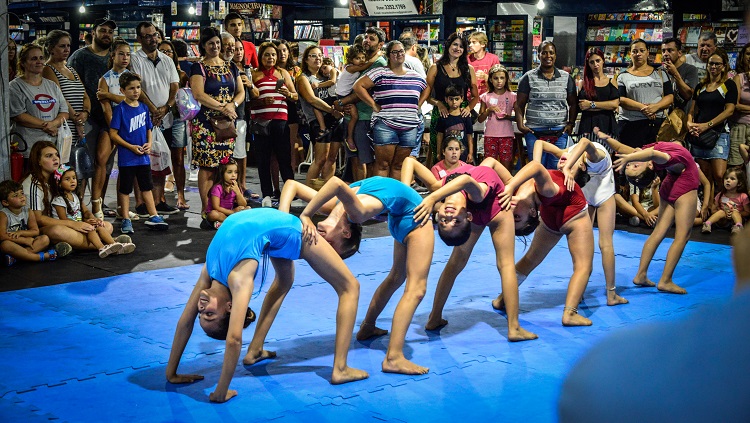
x: 684, y: 76
x: 706, y: 48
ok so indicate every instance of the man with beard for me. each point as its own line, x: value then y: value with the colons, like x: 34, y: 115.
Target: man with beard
x: 159, y: 83
x: 91, y: 64
x: 363, y: 159
x: 684, y: 76
x: 706, y: 49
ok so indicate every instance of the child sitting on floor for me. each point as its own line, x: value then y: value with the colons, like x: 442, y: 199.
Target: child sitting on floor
x: 225, y: 193
x: 68, y: 206
x: 451, y: 158
x: 19, y: 233
x: 731, y: 202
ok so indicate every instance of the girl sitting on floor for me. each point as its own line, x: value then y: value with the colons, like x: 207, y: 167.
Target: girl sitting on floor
x: 68, y: 206
x: 731, y: 202
x: 451, y: 158
x: 225, y: 197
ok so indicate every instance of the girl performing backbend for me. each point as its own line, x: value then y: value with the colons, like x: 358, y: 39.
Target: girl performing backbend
x: 221, y: 296
x: 535, y: 194
x: 412, y: 248
x: 679, y: 200
x: 591, y: 165
x: 469, y: 204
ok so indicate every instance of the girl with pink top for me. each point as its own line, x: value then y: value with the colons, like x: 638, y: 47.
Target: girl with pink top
x: 225, y: 197
x: 451, y: 159
x: 497, y: 108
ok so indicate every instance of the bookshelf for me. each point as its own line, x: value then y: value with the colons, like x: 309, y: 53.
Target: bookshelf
x: 338, y: 32
x: 308, y: 30
x: 508, y: 39
x: 465, y: 25
x: 612, y: 32
x: 731, y: 34
x: 190, y: 32
x: 428, y: 30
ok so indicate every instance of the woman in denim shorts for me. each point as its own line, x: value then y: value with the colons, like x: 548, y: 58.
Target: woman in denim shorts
x: 393, y: 92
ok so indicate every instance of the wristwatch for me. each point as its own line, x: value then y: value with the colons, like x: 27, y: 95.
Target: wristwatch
x: 710, y: 123
x: 593, y: 105
x: 236, y: 105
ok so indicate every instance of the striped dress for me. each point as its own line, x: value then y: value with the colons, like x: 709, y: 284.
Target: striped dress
x: 398, y: 97
x: 73, y: 91
x: 267, y: 89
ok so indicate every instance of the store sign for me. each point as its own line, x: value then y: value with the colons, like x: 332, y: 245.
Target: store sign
x: 383, y: 7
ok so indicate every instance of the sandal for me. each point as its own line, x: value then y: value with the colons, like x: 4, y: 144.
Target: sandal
x: 100, y: 214
x: 109, y: 249
x: 9, y: 260
x: 53, y: 254
x: 182, y: 206
x: 127, y: 248
x: 217, y: 225
x: 109, y: 213
x: 352, y: 148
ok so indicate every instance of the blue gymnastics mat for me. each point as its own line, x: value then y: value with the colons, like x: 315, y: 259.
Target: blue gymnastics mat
x: 97, y: 350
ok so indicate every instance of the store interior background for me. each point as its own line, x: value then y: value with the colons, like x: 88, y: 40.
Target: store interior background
x: 571, y: 24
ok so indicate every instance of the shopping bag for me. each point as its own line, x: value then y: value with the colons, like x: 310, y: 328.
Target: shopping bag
x: 64, y: 142
x: 159, y: 155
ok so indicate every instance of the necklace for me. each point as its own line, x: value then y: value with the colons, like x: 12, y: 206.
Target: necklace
x: 453, y: 67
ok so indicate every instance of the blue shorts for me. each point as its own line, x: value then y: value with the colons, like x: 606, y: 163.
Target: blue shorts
x: 176, y: 136
x: 720, y: 150
x: 363, y: 140
x: 383, y: 135
x: 420, y: 133
x: 548, y: 160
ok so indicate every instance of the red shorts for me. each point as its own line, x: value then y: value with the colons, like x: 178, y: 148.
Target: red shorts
x: 499, y: 148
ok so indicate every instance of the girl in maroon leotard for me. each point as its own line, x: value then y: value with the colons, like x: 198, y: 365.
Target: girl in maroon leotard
x: 536, y: 194
x: 679, y: 195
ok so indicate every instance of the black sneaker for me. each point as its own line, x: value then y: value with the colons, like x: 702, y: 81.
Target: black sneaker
x: 164, y: 208
x: 141, y: 210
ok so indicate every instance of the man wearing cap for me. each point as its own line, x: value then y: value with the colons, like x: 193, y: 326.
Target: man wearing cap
x: 91, y: 64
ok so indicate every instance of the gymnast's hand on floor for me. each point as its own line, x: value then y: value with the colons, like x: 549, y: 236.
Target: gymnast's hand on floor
x: 184, y: 378
x: 309, y: 230
x: 231, y: 393
x: 423, y: 211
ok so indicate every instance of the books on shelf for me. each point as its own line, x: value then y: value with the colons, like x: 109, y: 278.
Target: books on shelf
x: 693, y: 34
x: 308, y: 32
x: 631, y: 16
x: 649, y: 32
x: 187, y: 34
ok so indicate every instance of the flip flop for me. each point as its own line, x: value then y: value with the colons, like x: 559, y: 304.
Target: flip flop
x: 349, y: 148
x: 9, y: 260
x: 182, y: 206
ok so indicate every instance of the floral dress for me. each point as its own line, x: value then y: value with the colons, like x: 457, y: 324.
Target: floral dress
x: 219, y: 83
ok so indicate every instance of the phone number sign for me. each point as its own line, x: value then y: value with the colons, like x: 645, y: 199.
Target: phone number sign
x: 390, y: 7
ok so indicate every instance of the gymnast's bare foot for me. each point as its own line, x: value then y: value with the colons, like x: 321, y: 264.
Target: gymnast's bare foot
x: 403, y: 366
x: 253, y: 357
x: 519, y: 334
x: 642, y: 281
x: 369, y: 330
x: 347, y: 374
x: 671, y: 288
x: 499, y: 303
x: 572, y: 318
x: 435, y: 324
x: 613, y: 299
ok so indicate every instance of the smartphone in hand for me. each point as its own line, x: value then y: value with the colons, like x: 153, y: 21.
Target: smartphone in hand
x: 279, y: 84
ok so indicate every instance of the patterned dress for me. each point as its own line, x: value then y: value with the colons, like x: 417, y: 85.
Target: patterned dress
x: 219, y: 83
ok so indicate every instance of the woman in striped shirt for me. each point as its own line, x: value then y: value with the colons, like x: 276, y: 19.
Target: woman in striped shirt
x: 57, y: 50
x: 395, y: 101
x: 269, y: 109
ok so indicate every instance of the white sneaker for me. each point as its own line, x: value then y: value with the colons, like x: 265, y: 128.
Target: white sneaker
x: 193, y: 177
x: 266, y: 201
x: 109, y: 249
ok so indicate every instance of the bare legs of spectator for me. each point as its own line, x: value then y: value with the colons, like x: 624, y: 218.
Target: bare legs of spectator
x: 205, y: 181
x: 388, y: 160
x: 320, y: 158
x: 178, y: 171
x: 294, y: 143
x: 359, y: 171
x: 104, y: 150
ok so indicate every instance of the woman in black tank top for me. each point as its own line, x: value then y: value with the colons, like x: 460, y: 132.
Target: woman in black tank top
x: 451, y: 69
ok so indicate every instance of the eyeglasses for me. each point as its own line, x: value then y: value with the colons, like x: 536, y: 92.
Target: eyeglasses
x: 169, y: 52
x: 717, y: 64
x: 398, y: 52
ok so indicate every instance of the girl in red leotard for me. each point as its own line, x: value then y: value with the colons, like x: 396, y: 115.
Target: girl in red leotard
x: 535, y: 194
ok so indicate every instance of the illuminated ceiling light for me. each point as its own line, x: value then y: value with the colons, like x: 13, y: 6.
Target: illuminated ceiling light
x: 82, y: 9
x: 191, y: 10
x: 540, y: 5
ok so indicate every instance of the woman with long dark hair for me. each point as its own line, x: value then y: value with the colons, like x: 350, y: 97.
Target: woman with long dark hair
x: 598, y: 98
x: 451, y: 69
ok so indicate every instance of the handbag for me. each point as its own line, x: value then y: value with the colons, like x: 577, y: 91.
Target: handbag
x: 81, y: 161
x: 674, y: 127
x: 187, y: 106
x: 223, y: 128
x: 261, y: 127
x: 706, y: 140
x: 64, y: 142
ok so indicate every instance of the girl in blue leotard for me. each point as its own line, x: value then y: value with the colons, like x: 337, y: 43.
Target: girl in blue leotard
x: 412, y: 248
x: 222, y: 293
